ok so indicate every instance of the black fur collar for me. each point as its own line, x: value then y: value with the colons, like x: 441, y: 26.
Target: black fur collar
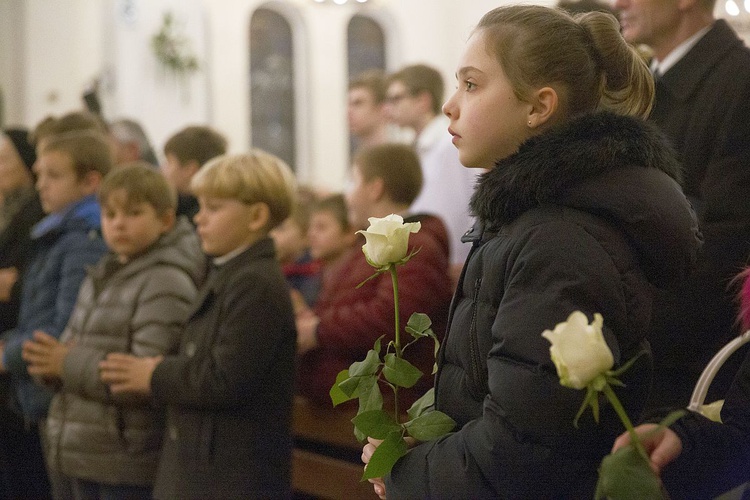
x: 547, y: 166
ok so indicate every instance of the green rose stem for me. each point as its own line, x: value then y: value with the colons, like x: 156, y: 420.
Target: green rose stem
x: 397, y: 341
x: 612, y: 397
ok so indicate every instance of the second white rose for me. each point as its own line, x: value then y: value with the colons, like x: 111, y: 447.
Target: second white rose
x: 578, y: 350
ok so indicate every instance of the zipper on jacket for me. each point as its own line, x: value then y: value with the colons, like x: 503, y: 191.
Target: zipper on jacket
x: 478, y: 372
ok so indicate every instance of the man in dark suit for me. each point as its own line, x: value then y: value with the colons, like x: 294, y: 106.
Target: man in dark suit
x: 702, y: 72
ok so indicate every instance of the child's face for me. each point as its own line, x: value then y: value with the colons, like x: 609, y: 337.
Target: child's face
x: 57, y: 182
x: 328, y: 239
x: 178, y: 174
x: 224, y: 225
x: 290, y: 241
x: 359, y: 199
x: 488, y: 122
x: 130, y: 228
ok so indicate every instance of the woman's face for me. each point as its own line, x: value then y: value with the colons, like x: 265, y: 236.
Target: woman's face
x: 487, y: 121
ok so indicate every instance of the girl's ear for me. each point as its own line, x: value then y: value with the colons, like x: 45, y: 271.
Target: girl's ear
x: 544, y: 105
x: 260, y: 214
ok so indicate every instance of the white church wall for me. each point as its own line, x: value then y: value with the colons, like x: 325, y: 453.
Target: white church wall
x: 66, y: 44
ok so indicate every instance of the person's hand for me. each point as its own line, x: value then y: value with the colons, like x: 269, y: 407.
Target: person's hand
x: 307, y: 338
x: 8, y: 278
x: 661, y: 443
x: 377, y: 483
x: 298, y: 302
x: 44, y: 355
x: 128, y: 373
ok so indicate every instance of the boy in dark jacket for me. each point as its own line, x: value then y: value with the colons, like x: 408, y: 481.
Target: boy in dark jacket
x: 229, y: 390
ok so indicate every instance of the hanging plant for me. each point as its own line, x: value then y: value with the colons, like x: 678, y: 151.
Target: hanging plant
x: 173, y: 49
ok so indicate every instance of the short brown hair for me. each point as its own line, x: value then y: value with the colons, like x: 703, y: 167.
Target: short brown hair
x: 196, y: 143
x: 419, y: 78
x: 141, y: 184
x: 335, y: 205
x: 398, y: 165
x: 88, y: 150
x: 254, y: 177
x: 69, y: 122
x: 373, y: 80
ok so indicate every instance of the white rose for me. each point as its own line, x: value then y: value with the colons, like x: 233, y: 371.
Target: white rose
x: 578, y: 350
x: 387, y: 240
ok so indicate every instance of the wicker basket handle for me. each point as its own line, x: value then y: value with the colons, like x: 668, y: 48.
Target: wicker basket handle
x: 701, y: 387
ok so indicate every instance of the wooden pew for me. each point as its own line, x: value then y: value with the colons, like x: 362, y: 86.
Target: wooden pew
x: 325, y: 461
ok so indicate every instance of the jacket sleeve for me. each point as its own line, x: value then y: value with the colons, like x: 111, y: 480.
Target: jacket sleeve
x: 716, y: 456
x: 524, y: 444
x: 78, y: 252
x: 159, y: 316
x: 424, y: 286
x: 255, y: 325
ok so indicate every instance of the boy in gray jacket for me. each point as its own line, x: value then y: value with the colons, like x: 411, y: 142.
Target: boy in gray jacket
x: 136, y: 300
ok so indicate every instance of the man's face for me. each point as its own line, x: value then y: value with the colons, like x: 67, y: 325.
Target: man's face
x: 401, y: 105
x: 364, y: 114
x: 650, y: 22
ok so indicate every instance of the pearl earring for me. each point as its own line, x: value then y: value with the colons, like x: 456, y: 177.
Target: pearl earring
x: 529, y: 123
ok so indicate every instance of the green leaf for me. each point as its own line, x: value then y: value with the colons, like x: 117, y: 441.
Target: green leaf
x: 400, y: 372
x: 430, y: 425
x: 368, y: 366
x: 370, y: 397
x: 385, y: 456
x: 426, y: 402
x: 376, y: 347
x: 419, y: 326
x: 626, y: 475
x: 376, y: 423
x: 338, y: 396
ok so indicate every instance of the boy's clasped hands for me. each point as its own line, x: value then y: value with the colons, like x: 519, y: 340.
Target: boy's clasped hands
x: 44, y: 356
x: 123, y: 373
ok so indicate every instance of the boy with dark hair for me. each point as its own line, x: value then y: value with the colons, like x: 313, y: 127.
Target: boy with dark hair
x: 135, y: 300
x: 347, y: 319
x: 185, y: 152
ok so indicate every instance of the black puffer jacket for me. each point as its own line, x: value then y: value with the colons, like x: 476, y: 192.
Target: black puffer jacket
x: 587, y: 216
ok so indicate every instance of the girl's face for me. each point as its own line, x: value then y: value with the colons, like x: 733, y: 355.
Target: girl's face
x: 488, y: 121
x: 328, y: 239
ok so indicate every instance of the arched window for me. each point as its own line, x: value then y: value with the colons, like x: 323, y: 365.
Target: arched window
x: 366, y: 45
x: 272, y: 85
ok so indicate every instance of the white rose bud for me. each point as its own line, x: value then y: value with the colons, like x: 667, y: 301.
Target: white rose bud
x: 387, y: 240
x: 578, y: 350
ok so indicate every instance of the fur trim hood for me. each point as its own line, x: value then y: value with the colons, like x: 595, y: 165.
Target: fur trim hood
x: 617, y: 167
